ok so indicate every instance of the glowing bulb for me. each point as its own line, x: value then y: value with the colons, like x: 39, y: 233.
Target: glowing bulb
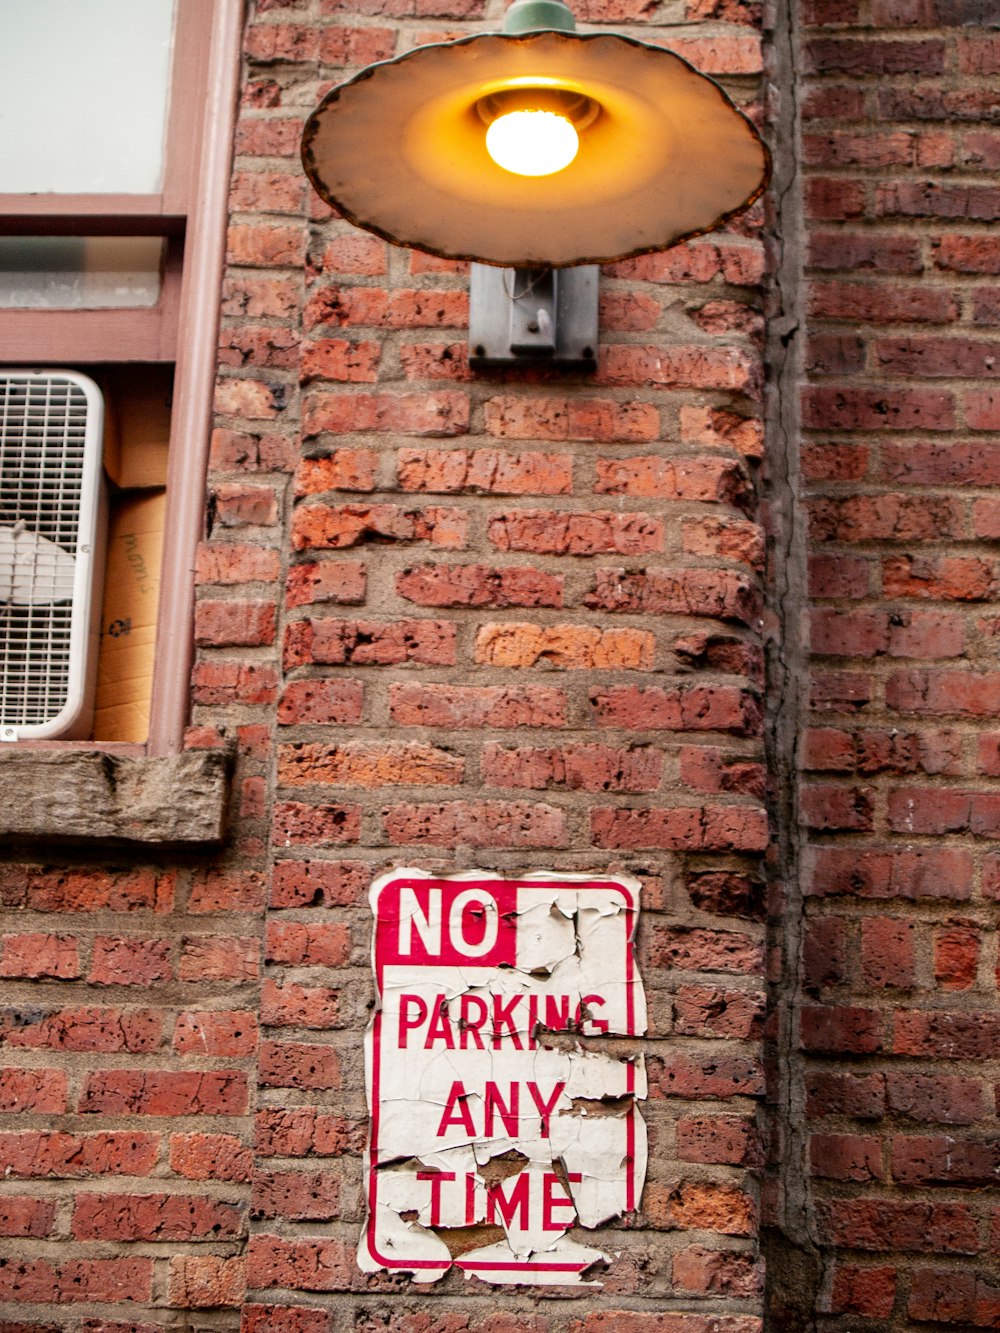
x: 532, y: 143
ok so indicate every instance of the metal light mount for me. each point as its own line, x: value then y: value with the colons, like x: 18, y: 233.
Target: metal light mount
x: 655, y: 153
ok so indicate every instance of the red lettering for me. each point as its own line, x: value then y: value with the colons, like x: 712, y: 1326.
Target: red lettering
x: 545, y: 1108
x: 557, y: 1019
x: 405, y: 1023
x: 467, y: 1026
x: 470, y: 1198
x: 508, y: 1112
x: 551, y: 1200
x: 437, y: 1179
x: 439, y: 1028
x: 457, y: 1111
x: 496, y: 1199
x: 583, y: 1014
x: 503, y: 1015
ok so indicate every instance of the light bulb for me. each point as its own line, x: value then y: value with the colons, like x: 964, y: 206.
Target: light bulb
x: 532, y: 143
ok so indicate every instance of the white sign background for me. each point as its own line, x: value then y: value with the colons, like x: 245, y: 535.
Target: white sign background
x: 488, y: 991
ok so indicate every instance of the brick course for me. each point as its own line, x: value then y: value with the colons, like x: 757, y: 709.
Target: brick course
x: 893, y: 974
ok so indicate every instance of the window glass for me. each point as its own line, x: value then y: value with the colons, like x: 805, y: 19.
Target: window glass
x: 79, y: 272
x: 83, y: 95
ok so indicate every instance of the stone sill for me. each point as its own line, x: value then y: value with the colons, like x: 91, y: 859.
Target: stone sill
x: 90, y: 795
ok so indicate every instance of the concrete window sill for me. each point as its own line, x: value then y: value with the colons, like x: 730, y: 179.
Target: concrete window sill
x: 86, y: 795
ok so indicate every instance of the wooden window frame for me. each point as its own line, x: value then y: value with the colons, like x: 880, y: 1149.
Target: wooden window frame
x: 191, y: 213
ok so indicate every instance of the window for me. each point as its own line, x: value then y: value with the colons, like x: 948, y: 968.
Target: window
x: 117, y: 124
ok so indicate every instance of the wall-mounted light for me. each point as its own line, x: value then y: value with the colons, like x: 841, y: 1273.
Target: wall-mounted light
x: 535, y: 149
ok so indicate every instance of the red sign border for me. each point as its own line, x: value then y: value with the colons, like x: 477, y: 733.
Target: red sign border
x: 410, y: 879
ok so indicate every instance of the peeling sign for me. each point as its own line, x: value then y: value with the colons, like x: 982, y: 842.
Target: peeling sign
x: 502, y: 1084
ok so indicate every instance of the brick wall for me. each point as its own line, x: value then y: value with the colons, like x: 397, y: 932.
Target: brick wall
x: 889, y: 1135
x: 454, y: 620
x: 447, y: 620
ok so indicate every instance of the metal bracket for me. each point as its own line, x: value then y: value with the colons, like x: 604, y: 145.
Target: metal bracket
x: 533, y: 316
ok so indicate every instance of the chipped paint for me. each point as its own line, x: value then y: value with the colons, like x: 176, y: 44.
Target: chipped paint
x: 503, y: 1075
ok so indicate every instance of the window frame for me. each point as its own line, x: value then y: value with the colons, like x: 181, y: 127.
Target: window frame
x: 191, y: 213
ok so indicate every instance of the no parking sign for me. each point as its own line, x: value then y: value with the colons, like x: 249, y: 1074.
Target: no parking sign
x: 503, y: 1098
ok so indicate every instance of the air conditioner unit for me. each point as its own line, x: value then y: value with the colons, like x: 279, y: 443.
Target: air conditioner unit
x: 51, y: 552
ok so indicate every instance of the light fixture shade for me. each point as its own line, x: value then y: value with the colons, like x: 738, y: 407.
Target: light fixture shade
x: 400, y: 150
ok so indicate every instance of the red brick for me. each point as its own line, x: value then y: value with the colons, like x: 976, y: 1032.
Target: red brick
x: 38, y: 955
x: 215, y: 683
x: 868, y: 1292
x: 859, y: 1095
x: 564, y: 647
x: 262, y: 244
x: 860, y: 408
x: 130, y: 962
x: 701, y: 1206
x: 688, y: 708
x: 874, y: 1224
x: 222, y: 891
x: 519, y: 418
x: 938, y: 1098
x: 733, y: 1139
x: 488, y: 824
x: 76, y: 889
x: 946, y: 578
x: 206, y: 1281
x: 285, y: 1319
x: 467, y: 706
x: 219, y: 958
x: 288, y: 1064
x: 712, y: 1011
x: 888, y: 952
x: 153, y: 1217
x: 956, y: 957
x: 723, y: 594
x: 852, y: 1157
x: 292, y: 1005
x: 164, y: 1093
x: 558, y: 532
x: 83, y: 1028
x: 308, y: 944
x: 46, y: 1281
x: 479, y: 585
x: 324, y: 701
x: 369, y: 766
x: 827, y: 807
x: 945, y: 1036
x: 296, y: 823
x: 718, y: 1273
x: 943, y: 1159
x: 318, y: 883
x: 824, y: 952
x: 234, y: 624
x: 678, y: 367
x: 486, y: 471
x: 444, y: 413
x: 296, y: 1195
x: 711, y: 479
x: 343, y: 470
x: 333, y: 527
x: 199, y: 1156
x: 576, y: 767
x: 695, y: 949
x: 370, y: 643
x: 21, y: 1216
x: 339, y: 360
x: 231, y: 563
x: 225, y: 1033
x: 842, y: 1030
x: 681, y: 828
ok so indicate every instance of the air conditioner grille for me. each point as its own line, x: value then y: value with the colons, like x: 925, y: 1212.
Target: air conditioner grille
x: 43, y: 433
